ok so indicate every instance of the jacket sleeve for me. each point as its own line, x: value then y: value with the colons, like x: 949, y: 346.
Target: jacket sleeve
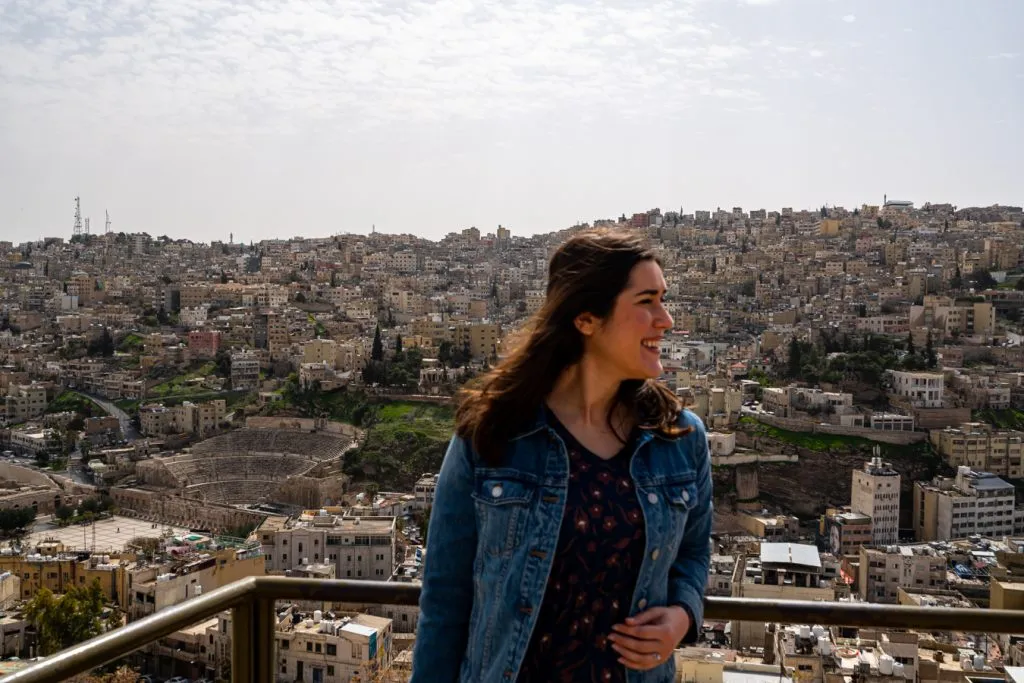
x: 689, y: 573
x: 446, y: 599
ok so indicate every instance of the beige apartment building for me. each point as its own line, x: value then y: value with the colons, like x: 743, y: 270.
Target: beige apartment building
x: 875, y: 492
x: 982, y: 447
x: 200, y: 419
x: 153, y: 587
x: 358, y: 547
x: 24, y: 401
x: 954, y: 318
x: 922, y: 389
x: 884, y: 570
x: 782, y: 571
x: 310, y: 647
x: 957, y: 507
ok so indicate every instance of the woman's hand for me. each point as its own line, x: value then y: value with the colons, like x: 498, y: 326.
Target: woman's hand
x: 648, y: 639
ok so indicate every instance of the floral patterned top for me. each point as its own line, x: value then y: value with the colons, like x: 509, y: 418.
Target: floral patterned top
x: 594, y: 572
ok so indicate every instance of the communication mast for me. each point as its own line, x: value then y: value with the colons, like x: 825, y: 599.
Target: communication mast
x: 108, y: 221
x: 86, y: 226
x: 78, y: 218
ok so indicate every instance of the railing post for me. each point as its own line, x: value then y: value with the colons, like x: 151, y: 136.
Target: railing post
x: 253, y: 624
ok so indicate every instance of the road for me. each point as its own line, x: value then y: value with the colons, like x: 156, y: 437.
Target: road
x: 129, y: 432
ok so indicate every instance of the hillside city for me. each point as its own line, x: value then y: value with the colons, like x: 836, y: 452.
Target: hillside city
x: 177, y: 416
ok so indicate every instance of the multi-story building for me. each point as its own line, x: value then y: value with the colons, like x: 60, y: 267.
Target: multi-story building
x: 782, y: 571
x: 424, y: 491
x: 843, y: 532
x: 24, y: 401
x: 480, y: 338
x: 875, y: 492
x: 358, y: 547
x: 245, y: 371
x: 204, y: 343
x: 154, y: 587
x: 310, y: 646
x: 321, y: 351
x: 957, y: 507
x: 270, y: 332
x: 922, y: 389
x: 982, y: 447
x: 884, y: 570
x: 199, y: 419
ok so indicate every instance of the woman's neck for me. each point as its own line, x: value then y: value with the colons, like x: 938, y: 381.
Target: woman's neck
x: 584, y: 394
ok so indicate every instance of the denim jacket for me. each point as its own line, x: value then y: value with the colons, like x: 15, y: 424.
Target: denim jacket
x: 493, y: 534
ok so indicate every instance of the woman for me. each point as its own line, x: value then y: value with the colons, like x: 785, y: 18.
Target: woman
x: 570, y: 533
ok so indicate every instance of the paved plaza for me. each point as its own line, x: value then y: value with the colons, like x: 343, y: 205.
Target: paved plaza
x: 111, y: 535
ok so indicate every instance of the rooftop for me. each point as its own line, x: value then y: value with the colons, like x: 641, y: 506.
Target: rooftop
x: 791, y: 554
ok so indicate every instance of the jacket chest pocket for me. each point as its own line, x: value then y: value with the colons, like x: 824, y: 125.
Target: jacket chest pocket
x: 680, y: 498
x: 503, y: 505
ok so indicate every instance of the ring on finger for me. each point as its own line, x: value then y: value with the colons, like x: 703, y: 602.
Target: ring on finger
x: 657, y: 657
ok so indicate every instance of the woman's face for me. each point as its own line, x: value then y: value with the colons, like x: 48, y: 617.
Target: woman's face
x: 628, y: 341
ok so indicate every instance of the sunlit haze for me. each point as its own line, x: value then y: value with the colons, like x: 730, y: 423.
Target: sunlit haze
x: 200, y: 118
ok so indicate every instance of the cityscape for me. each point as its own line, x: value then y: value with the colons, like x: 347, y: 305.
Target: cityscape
x: 178, y: 416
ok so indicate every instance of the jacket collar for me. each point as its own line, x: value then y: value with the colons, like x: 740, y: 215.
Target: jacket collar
x: 540, y: 423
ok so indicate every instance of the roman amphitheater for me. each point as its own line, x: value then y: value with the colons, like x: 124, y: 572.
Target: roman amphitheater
x: 289, y: 463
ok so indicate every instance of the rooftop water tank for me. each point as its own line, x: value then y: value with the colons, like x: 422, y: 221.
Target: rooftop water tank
x: 898, y: 670
x: 885, y: 665
x: 824, y: 646
x: 805, y: 632
x: 979, y: 662
x: 317, y: 616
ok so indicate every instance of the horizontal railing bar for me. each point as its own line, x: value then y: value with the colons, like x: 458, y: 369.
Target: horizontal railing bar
x: 119, y: 642
x: 122, y: 641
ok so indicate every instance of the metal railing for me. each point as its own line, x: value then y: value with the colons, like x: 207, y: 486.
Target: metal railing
x: 254, y: 621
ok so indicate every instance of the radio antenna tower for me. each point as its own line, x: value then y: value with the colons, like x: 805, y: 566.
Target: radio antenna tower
x: 86, y: 226
x: 108, y: 221
x: 78, y: 218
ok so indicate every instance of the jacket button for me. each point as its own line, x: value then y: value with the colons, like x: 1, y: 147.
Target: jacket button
x: 642, y: 604
x: 655, y: 553
x: 686, y: 496
x: 652, y: 498
x: 497, y: 491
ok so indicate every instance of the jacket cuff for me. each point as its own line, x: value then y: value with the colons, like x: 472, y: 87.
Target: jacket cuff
x: 684, y: 596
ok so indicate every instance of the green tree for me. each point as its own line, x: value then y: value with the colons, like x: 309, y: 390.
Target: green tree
x: 15, y: 519
x: 795, y: 358
x: 161, y: 315
x: 398, y: 346
x: 64, y: 512
x: 68, y: 620
x: 377, y: 350
x: 1020, y: 284
x: 910, y: 344
x: 929, y: 351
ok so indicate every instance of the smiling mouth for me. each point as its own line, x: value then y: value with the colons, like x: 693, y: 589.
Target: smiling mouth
x: 652, y: 345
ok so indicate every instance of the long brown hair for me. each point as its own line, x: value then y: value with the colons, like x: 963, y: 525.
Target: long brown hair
x: 586, y: 275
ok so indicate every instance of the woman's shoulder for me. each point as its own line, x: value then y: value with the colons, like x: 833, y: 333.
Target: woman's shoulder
x: 692, y: 425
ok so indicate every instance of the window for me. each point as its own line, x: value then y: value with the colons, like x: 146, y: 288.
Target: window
x: 284, y: 542
x: 285, y: 644
x: 332, y: 649
x: 284, y: 668
x: 300, y: 547
x: 309, y: 647
x: 284, y: 558
x: 330, y: 670
x: 318, y: 649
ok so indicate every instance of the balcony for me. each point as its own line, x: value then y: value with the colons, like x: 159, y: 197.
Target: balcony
x: 254, y: 620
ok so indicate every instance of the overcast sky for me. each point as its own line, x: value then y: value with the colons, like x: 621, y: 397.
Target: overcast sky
x: 199, y: 118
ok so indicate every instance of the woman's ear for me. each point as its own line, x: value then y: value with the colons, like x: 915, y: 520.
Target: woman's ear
x: 586, y: 323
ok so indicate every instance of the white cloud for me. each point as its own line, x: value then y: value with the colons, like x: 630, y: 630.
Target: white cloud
x: 850, y: 18
x: 816, y: 54
x: 760, y: 2
x: 224, y: 67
